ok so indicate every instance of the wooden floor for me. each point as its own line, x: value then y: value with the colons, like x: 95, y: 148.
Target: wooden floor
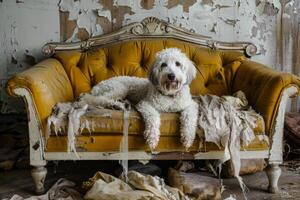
x: 19, y: 181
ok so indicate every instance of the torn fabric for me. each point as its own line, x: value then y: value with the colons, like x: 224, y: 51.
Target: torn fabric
x: 227, y: 121
x: 63, y: 189
x: 139, y: 187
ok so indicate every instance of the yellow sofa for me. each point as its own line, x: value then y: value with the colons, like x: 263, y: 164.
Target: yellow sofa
x: 69, y: 72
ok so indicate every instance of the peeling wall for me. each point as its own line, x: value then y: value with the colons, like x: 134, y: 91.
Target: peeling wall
x: 26, y: 25
x: 228, y: 20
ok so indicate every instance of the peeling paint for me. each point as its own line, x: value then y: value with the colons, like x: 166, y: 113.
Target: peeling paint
x: 185, y: 4
x: 147, y: 4
x: 85, y: 14
x: 219, y: 7
x: 268, y: 7
x: 14, y: 59
x: 207, y: 2
x: 271, y: 24
x: 29, y: 59
x: 262, y: 49
x: 260, y: 28
x: 213, y: 29
x: 231, y: 22
x: 21, y: 37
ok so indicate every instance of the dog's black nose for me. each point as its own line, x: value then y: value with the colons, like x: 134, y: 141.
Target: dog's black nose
x: 171, y: 77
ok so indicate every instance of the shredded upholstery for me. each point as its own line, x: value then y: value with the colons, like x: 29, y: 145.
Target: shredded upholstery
x: 65, y: 117
x: 227, y: 121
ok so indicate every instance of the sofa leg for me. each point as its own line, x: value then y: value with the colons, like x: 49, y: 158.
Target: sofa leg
x: 273, y: 172
x: 38, y: 174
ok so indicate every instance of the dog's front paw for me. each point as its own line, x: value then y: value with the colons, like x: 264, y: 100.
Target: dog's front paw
x: 187, y: 140
x: 152, y: 137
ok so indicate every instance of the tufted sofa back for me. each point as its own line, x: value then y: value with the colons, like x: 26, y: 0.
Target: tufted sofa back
x: 215, y: 69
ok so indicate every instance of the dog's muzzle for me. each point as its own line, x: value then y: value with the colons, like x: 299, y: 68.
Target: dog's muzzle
x: 172, y: 83
x: 171, y: 77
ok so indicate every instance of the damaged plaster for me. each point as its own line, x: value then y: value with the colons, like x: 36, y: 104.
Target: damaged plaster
x: 25, y: 26
x: 229, y: 20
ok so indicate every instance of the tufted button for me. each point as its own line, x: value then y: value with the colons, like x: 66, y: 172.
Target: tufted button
x: 219, y: 76
x: 206, y: 84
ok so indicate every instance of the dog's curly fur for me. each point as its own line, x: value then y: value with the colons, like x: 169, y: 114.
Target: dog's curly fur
x: 166, y: 90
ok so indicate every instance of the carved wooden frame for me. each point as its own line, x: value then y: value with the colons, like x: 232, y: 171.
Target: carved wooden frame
x: 150, y: 28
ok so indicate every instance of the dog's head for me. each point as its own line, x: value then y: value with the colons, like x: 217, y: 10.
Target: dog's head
x: 171, y: 70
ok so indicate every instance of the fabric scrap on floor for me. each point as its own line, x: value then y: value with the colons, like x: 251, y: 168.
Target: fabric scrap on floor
x: 63, y: 189
x: 139, y: 187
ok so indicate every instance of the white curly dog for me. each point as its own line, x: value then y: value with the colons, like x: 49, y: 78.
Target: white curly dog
x: 165, y: 90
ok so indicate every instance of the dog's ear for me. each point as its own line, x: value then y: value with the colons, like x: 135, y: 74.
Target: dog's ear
x: 153, y: 74
x: 191, y: 71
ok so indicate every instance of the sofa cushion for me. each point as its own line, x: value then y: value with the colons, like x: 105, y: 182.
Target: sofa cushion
x: 107, y: 132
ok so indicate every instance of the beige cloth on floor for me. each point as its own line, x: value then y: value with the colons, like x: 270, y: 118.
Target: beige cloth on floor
x: 139, y: 187
x: 63, y: 189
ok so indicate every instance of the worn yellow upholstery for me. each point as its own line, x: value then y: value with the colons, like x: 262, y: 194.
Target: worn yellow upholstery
x: 48, y: 84
x: 111, y: 143
x: 111, y: 122
x: 68, y: 74
x: 108, y: 127
x: 263, y: 88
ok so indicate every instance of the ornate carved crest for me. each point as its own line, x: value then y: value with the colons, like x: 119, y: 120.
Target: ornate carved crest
x: 150, y: 28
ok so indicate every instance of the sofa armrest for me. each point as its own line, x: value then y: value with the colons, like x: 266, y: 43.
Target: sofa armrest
x: 46, y: 83
x: 264, y: 88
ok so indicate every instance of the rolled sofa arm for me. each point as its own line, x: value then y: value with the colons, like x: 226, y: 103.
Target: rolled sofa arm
x: 264, y: 88
x: 46, y: 84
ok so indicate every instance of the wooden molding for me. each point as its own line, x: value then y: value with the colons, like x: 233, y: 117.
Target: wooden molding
x: 149, y: 28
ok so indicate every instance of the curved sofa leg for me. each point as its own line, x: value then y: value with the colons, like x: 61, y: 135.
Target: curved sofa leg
x: 38, y: 174
x: 273, y: 172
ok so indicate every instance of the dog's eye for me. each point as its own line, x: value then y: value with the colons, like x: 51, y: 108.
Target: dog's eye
x: 163, y: 65
x: 177, y: 64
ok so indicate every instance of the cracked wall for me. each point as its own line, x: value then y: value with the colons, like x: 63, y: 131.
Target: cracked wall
x: 24, y: 27
x: 229, y: 20
x: 27, y: 25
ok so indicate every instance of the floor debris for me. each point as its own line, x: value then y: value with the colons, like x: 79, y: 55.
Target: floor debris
x: 78, y: 172
x: 63, y: 189
x: 106, y: 187
x: 195, y: 185
x: 248, y: 166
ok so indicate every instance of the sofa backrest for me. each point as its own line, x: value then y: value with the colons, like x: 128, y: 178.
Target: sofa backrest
x: 215, y: 69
